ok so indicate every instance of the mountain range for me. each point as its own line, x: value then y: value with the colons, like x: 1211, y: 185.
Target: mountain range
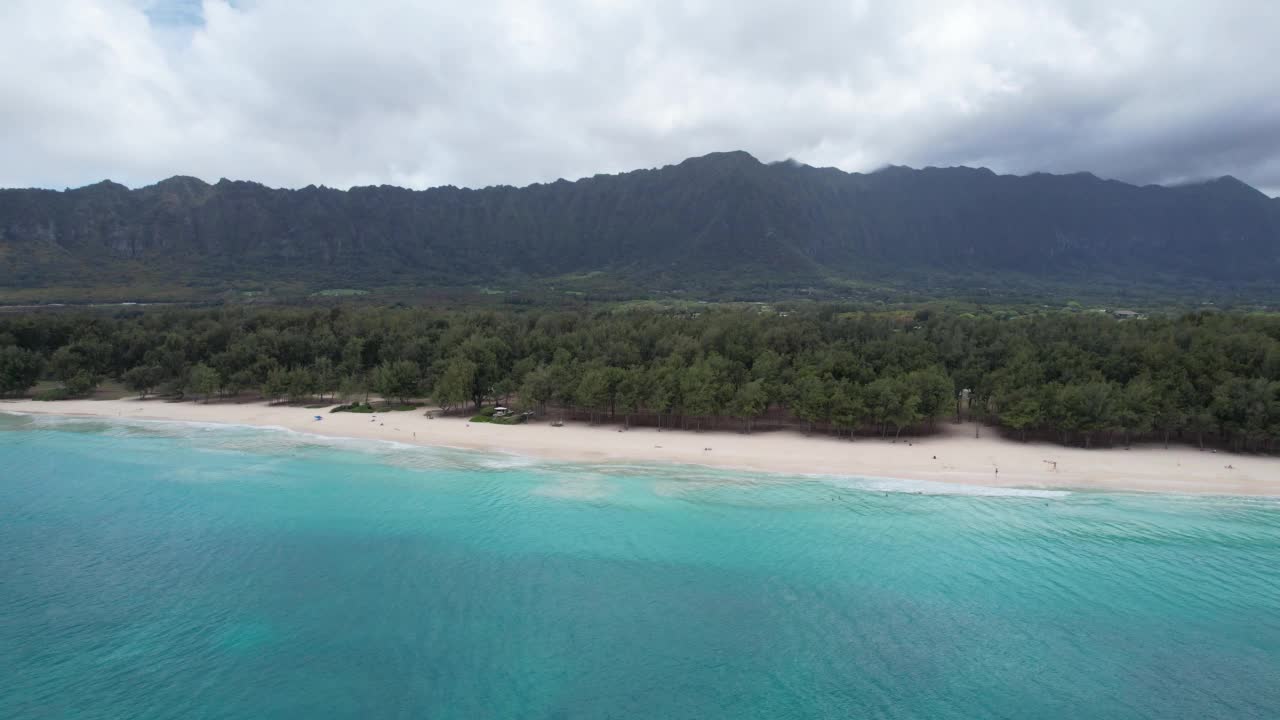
x: 715, y: 223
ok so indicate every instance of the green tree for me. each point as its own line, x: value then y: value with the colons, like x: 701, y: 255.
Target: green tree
x: 770, y: 368
x: 1137, y: 407
x: 302, y: 384
x: 453, y: 388
x: 326, y: 376
x: 892, y: 401
x: 143, y: 379
x: 235, y: 383
x: 906, y: 412
x: 400, y: 380
x: 593, y: 391
x: 503, y: 389
x: 1021, y: 409
x: 880, y: 398
x: 633, y: 392
x: 352, y: 362
x: 664, y: 391
x: 698, y: 392
x: 1243, y: 408
x: 564, y: 382
x: 204, y: 381
x: 1172, y: 404
x: 488, y: 356
x: 1090, y: 408
x: 749, y: 402
x: 538, y: 387
x: 353, y: 387
x: 276, y: 384
x: 934, y: 390
x: 80, y: 384
x: 1200, y: 420
x: 846, y: 406
x: 71, y: 365
x: 89, y: 357
x: 19, y: 369
x: 809, y: 399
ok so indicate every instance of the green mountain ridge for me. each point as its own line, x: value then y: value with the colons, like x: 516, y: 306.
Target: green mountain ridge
x: 715, y: 222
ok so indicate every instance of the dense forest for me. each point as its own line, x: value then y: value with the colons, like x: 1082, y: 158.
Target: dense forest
x: 1077, y: 378
x: 721, y: 226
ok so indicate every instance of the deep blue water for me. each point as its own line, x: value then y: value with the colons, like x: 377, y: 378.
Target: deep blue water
x: 154, y: 570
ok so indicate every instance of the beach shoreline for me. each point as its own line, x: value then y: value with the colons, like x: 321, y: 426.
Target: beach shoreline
x: 952, y: 455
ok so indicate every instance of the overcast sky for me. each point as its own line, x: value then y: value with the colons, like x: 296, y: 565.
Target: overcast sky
x: 480, y: 92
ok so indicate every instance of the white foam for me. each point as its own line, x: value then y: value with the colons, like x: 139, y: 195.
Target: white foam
x: 933, y: 487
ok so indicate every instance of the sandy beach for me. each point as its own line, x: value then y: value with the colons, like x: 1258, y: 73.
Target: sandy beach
x: 952, y: 456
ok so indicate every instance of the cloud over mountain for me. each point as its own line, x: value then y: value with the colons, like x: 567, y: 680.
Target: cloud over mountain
x: 292, y: 92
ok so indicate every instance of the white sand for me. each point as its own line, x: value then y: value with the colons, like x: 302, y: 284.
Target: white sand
x: 960, y: 458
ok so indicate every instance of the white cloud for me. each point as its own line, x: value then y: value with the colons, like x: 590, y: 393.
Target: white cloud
x: 292, y: 92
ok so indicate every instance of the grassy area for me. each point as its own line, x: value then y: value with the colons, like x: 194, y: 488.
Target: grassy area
x: 487, y: 415
x: 375, y: 407
x: 106, y: 390
x: 399, y: 407
x: 340, y: 292
x: 354, y: 408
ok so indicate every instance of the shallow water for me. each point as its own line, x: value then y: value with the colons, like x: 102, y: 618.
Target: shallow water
x: 164, y: 570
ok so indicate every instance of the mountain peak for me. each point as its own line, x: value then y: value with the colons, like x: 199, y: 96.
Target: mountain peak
x: 181, y: 184
x: 726, y: 159
x: 1225, y: 185
x: 106, y: 186
x: 1233, y: 182
x: 182, y: 181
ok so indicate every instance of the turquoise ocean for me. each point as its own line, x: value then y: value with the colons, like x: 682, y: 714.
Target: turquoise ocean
x: 170, y: 570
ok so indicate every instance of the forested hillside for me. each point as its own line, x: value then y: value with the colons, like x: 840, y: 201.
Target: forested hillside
x: 1075, y: 378
x: 711, y: 224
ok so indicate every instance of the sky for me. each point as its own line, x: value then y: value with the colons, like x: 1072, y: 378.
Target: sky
x: 481, y: 92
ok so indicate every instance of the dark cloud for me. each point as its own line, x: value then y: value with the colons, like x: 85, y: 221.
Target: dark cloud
x: 292, y: 92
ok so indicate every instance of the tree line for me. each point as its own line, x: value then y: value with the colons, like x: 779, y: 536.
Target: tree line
x: 1078, y: 378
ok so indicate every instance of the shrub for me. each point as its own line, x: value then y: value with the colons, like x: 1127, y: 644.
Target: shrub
x: 354, y: 408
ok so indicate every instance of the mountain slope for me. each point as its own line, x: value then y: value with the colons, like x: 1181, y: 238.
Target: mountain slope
x: 715, y: 221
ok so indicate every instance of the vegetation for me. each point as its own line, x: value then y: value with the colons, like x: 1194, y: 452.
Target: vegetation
x: 55, y: 393
x: 340, y: 292
x: 488, y: 415
x: 1077, y: 378
x: 19, y: 369
x: 357, y: 407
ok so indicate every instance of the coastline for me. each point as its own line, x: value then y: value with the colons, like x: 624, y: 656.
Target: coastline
x: 951, y: 456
